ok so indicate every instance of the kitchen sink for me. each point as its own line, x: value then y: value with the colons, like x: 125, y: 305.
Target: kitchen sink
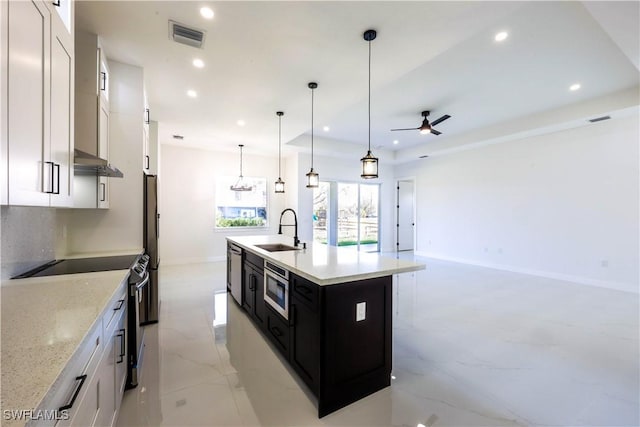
x: 276, y: 247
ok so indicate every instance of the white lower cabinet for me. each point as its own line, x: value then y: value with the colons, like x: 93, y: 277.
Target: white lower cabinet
x: 92, y: 393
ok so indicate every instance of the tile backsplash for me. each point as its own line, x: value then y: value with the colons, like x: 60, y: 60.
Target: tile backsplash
x: 30, y: 237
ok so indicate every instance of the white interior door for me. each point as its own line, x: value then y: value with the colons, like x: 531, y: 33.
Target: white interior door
x: 406, y: 221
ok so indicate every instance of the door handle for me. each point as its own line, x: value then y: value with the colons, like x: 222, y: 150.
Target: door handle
x: 122, y: 344
x: 147, y: 159
x: 103, y: 186
x: 56, y: 3
x: 146, y: 116
x: 120, y: 302
x: 52, y: 178
x: 55, y: 165
x: 69, y: 405
x: 103, y: 80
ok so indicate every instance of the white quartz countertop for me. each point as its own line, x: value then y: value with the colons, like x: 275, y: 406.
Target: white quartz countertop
x: 324, y: 264
x: 44, y: 320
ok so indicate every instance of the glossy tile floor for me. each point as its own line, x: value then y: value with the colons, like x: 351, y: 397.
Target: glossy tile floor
x: 472, y: 347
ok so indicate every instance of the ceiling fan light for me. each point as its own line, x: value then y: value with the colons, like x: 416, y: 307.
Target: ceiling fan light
x: 279, y: 185
x: 313, y: 179
x: 425, y: 131
x: 369, y: 166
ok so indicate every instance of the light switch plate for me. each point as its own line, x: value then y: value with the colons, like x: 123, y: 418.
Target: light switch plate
x: 361, y: 311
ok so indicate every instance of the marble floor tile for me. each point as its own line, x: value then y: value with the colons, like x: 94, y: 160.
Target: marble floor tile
x: 471, y: 347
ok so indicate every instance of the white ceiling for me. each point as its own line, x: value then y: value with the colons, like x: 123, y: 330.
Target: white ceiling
x: 438, y: 56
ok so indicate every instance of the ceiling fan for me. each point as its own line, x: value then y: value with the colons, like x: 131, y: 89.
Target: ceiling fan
x: 427, y: 127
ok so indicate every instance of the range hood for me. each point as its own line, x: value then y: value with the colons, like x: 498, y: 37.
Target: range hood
x: 89, y: 164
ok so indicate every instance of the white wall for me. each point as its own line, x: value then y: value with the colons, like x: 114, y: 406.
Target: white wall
x: 562, y: 205
x: 346, y: 170
x: 120, y: 227
x: 187, y: 201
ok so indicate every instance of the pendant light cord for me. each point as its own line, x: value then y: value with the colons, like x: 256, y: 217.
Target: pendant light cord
x: 241, y: 161
x: 369, y: 104
x: 311, y: 129
x: 279, y: 144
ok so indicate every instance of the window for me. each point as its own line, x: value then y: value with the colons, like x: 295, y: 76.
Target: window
x: 346, y: 214
x: 241, y: 208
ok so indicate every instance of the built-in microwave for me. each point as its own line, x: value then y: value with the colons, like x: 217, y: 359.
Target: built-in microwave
x: 276, y: 288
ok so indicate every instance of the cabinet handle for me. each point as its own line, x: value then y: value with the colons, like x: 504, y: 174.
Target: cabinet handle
x: 276, y: 331
x: 103, y: 80
x: 56, y: 3
x: 81, y: 378
x: 121, y: 355
x: 104, y: 191
x: 55, y: 165
x: 252, y: 281
x: 148, y: 160
x: 52, y: 178
x: 146, y: 116
x: 120, y: 302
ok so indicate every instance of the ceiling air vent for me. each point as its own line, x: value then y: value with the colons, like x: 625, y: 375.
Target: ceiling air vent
x: 182, y: 34
x: 599, y: 119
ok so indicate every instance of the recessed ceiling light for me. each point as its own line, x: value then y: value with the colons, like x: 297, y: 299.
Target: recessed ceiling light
x: 241, y: 122
x: 421, y: 425
x: 501, y: 36
x: 393, y: 377
x: 192, y: 93
x: 206, y: 12
x: 326, y: 129
x: 198, y: 63
x: 396, y: 142
x: 574, y: 87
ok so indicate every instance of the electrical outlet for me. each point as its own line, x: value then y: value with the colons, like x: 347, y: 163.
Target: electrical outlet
x: 361, y: 311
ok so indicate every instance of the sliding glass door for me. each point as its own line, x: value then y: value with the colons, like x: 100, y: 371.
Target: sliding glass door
x: 346, y: 214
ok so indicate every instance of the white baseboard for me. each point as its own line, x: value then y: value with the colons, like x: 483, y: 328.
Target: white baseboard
x: 618, y: 286
x: 193, y: 260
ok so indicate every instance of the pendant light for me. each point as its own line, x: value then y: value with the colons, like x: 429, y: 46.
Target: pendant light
x: 279, y: 185
x: 313, y: 179
x: 240, y: 184
x: 369, y: 162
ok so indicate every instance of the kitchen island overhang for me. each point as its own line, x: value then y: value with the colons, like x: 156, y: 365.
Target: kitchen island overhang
x: 337, y: 335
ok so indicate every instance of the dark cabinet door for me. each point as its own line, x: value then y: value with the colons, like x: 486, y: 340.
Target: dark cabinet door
x: 248, y: 289
x: 259, y: 313
x: 305, y: 342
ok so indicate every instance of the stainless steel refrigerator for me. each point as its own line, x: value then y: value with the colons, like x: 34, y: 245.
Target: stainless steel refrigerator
x: 150, y: 304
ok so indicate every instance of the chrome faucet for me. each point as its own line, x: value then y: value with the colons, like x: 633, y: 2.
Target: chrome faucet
x: 295, y: 224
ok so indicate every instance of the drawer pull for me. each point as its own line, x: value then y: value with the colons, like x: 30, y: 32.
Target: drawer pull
x: 120, y: 302
x: 276, y: 331
x: 81, y: 378
x: 121, y: 355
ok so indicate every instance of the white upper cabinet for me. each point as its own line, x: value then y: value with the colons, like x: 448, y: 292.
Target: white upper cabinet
x: 64, y: 10
x: 37, y: 117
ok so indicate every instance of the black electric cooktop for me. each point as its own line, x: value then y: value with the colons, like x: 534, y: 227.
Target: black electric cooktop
x: 81, y: 265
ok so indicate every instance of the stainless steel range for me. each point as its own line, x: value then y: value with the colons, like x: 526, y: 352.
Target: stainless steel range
x: 137, y: 284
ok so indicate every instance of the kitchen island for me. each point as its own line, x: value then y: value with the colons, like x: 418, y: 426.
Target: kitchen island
x: 326, y: 309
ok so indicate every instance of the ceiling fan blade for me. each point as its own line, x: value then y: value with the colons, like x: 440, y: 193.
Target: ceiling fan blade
x: 440, y: 120
x: 435, y: 132
x: 406, y: 129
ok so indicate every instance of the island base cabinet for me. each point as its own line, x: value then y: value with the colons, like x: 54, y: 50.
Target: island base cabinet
x: 253, y: 289
x: 341, y: 339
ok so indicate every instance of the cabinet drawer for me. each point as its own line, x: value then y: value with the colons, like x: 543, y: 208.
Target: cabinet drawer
x: 79, y: 376
x: 116, y: 307
x: 254, y: 259
x: 305, y: 291
x: 278, y: 331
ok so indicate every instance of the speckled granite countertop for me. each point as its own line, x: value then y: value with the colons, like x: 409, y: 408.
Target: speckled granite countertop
x: 324, y: 264
x: 44, y: 321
